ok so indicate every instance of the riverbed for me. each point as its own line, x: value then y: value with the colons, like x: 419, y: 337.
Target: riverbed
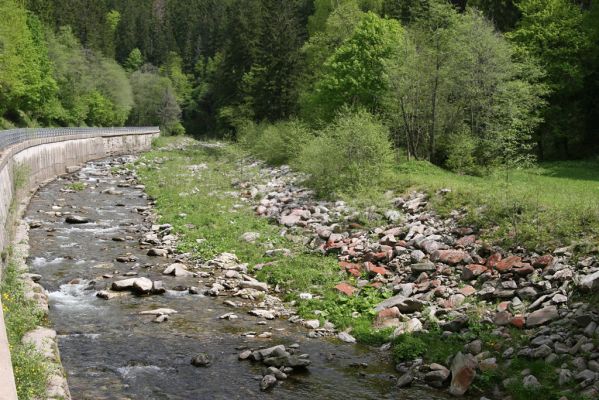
x: 109, y: 351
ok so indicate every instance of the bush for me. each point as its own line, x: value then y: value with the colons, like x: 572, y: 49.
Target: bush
x: 353, y: 152
x: 459, y: 150
x: 280, y: 143
x: 408, y: 348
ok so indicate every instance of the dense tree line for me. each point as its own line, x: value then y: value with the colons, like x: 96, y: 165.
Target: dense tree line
x: 459, y: 82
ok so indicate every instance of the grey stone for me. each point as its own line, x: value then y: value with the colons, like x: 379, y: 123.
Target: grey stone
x: 268, y: 382
x: 201, y: 360
x: 542, y: 316
x: 405, y: 380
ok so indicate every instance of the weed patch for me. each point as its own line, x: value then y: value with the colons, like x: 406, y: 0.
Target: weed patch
x: 21, y: 315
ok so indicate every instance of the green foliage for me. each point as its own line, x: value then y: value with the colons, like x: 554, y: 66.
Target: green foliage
x: 155, y: 102
x: 355, y: 74
x: 485, y: 102
x: 353, y: 151
x: 173, y: 69
x: 278, y: 143
x: 93, y: 90
x: 555, y: 34
x: 408, y: 347
x: 26, y: 81
x: 22, y: 315
x: 134, y: 61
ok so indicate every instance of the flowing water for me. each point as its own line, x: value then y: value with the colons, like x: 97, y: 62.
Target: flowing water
x: 109, y: 351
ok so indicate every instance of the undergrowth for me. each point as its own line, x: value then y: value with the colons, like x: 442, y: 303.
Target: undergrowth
x: 21, y: 315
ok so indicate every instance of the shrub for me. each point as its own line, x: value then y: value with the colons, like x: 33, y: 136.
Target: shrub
x: 459, y: 149
x: 408, y: 348
x: 353, y: 152
x: 280, y: 143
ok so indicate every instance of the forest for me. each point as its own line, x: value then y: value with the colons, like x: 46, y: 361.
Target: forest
x: 465, y: 84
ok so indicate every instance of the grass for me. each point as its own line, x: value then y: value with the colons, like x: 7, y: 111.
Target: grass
x: 539, y: 208
x: 21, y: 315
x: 76, y: 186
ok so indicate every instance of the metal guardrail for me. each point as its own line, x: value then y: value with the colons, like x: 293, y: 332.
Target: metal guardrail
x: 11, y: 137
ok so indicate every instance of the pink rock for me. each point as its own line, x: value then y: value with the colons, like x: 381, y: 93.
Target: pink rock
x: 518, y: 321
x: 471, y: 271
x: 543, y: 261
x: 467, y: 290
x: 493, y: 260
x: 346, y: 288
x: 463, y: 372
x: 466, y: 240
x: 507, y: 264
x: 449, y: 256
x: 524, y: 269
x: 374, y: 269
x: 387, y: 317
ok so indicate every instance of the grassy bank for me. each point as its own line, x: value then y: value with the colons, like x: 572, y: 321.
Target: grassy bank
x: 21, y: 315
x: 552, y: 205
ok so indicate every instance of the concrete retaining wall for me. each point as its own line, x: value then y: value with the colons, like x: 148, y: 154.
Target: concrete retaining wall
x: 34, y: 162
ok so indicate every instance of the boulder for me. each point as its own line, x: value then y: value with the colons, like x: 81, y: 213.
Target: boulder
x: 177, y: 269
x: 589, y: 282
x: 201, y: 360
x: 154, y: 252
x: 76, y: 219
x: 542, y: 316
x: 451, y: 257
x: 267, y: 382
x: 403, y: 304
x: 463, y: 372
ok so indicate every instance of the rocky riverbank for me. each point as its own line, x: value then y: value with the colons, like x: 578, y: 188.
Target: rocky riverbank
x: 441, y: 273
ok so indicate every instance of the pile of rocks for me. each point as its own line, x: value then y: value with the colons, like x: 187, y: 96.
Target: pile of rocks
x: 440, y: 271
x: 279, y: 362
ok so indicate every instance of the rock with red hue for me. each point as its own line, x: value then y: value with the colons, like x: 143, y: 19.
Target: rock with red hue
x: 543, y: 261
x: 450, y: 256
x: 463, y: 372
x: 374, y: 269
x: 507, y: 264
x: 290, y: 220
x: 467, y: 290
x: 380, y: 256
x: 351, y: 268
x: 388, y: 317
x: 346, y: 288
x: 493, y: 260
x: 518, y: 321
x: 503, y: 306
x: 502, y: 318
x: 524, y: 269
x: 466, y: 240
x: 472, y: 271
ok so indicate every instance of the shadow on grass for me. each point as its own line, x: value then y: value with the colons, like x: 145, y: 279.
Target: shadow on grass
x: 576, y: 170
